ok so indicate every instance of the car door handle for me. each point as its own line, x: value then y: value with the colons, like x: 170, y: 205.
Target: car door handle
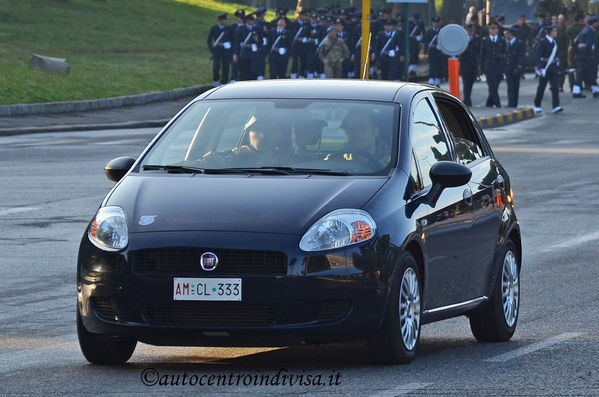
x: 467, y: 196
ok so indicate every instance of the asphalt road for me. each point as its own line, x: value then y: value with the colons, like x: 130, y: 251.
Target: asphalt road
x: 51, y: 185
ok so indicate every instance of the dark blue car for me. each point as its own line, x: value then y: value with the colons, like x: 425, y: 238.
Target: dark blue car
x: 273, y: 213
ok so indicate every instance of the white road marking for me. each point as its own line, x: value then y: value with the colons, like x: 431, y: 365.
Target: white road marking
x: 16, y: 210
x: 532, y: 348
x: 572, y: 242
x: 402, y: 389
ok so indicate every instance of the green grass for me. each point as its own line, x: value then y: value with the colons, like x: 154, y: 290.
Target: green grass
x: 114, y: 47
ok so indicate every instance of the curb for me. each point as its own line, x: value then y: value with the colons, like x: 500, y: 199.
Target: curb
x: 102, y: 103
x: 506, y: 118
x: 84, y: 127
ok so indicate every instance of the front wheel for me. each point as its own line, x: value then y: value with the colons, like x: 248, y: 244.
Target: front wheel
x: 103, y: 350
x: 398, y: 339
x: 496, y: 321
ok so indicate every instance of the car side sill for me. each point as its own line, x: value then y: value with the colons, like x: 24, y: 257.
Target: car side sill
x: 453, y: 310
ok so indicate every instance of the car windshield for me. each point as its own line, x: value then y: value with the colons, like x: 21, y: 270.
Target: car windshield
x: 280, y: 136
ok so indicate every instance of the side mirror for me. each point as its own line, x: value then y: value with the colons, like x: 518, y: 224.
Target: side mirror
x: 446, y: 174
x: 117, y: 168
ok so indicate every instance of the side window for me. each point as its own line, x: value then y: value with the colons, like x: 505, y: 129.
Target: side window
x: 428, y: 140
x: 466, y: 142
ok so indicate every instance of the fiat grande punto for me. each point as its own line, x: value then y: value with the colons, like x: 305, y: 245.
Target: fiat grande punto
x: 274, y: 213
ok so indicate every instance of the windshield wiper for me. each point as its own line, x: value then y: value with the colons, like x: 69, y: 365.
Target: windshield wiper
x: 275, y: 171
x: 262, y: 170
x: 242, y: 170
x: 174, y: 168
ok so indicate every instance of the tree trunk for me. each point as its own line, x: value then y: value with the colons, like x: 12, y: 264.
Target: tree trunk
x: 301, y: 5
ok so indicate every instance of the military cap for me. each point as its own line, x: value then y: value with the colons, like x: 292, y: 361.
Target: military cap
x: 501, y: 17
x: 239, y: 13
x: 387, y: 10
x: 510, y: 29
x: 392, y: 21
x: 416, y: 15
x: 222, y: 16
x: 592, y: 19
x: 469, y: 26
x: 330, y: 28
x: 435, y: 19
x: 304, y: 12
x: 338, y: 20
x: 260, y: 11
x: 549, y: 27
x: 282, y: 11
x: 250, y: 16
x: 399, y: 19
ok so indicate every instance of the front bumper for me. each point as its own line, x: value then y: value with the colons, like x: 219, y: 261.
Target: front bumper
x: 335, y: 296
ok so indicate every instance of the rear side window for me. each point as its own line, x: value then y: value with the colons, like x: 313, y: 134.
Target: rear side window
x: 467, y: 145
x: 428, y: 140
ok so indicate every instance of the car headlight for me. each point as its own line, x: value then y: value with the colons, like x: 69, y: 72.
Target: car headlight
x: 108, y: 230
x: 337, y: 229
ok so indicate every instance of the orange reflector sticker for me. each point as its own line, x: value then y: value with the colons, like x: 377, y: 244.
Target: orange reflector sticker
x: 361, y: 231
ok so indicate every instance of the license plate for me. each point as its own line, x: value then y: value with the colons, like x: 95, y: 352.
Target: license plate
x: 207, y: 289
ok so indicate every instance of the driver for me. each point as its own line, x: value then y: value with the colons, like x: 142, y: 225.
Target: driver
x: 266, y: 139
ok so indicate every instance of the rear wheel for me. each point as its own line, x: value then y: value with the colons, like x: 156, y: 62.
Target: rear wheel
x: 496, y: 321
x: 101, y: 349
x: 398, y: 339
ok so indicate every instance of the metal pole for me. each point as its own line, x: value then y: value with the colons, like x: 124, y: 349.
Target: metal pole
x: 365, y: 38
x: 406, y: 29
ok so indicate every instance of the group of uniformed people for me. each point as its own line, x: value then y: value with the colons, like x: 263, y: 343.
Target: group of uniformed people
x: 320, y: 43
x: 327, y: 43
x: 500, y: 52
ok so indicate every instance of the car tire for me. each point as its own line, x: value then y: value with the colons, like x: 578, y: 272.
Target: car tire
x: 101, y: 349
x: 398, y: 339
x: 496, y: 320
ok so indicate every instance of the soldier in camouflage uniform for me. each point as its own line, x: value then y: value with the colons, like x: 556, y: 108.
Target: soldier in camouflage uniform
x: 332, y: 53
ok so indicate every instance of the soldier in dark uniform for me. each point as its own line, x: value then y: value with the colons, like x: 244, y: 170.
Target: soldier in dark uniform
x: 220, y: 43
x: 573, y: 31
x: 514, y: 66
x: 492, y: 57
x: 562, y: 48
x: 586, y: 58
x: 280, y: 42
x: 470, y: 63
x: 416, y: 35
x: 356, y: 50
x: 344, y: 35
x: 547, y: 67
x: 434, y: 54
x: 400, y: 33
x: 246, y: 47
x: 299, y: 47
x: 386, y: 51
x: 260, y: 59
x: 316, y: 33
x: 240, y: 16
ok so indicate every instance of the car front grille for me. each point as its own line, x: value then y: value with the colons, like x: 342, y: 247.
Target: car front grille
x: 334, y: 310
x: 210, y: 314
x: 104, y: 308
x: 187, y: 260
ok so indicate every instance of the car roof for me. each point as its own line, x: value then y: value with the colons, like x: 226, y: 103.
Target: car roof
x: 366, y: 90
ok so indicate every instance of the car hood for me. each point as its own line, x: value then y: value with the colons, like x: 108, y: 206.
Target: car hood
x: 262, y: 204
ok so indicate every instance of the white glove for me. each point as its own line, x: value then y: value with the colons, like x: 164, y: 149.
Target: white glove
x: 227, y: 45
x: 282, y: 51
x: 254, y: 48
x: 391, y: 53
x: 264, y: 41
x: 418, y: 38
x: 304, y: 40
